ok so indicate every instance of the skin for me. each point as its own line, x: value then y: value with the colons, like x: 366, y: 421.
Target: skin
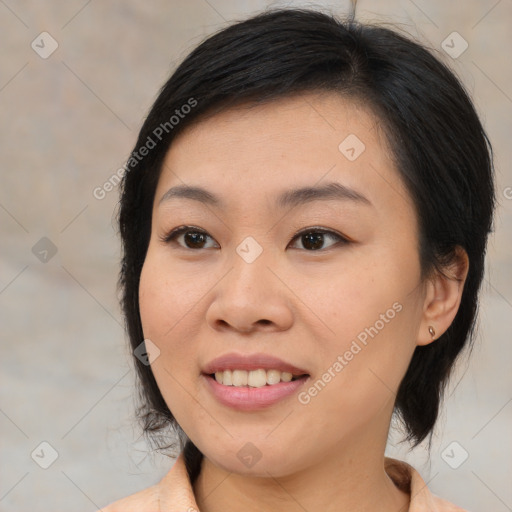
x: 303, y: 305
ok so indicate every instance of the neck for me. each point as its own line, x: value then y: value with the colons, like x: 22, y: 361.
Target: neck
x: 349, y: 479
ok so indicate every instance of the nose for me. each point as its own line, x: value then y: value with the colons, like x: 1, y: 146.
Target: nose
x: 251, y: 297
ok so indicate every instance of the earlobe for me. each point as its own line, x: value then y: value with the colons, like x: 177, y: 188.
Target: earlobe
x: 442, y: 298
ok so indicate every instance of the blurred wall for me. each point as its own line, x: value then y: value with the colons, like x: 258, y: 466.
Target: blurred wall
x: 76, y: 79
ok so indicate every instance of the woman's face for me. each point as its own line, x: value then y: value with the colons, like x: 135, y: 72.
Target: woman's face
x: 341, y: 302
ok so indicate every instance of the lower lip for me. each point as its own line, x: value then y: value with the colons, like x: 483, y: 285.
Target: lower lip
x: 253, y: 399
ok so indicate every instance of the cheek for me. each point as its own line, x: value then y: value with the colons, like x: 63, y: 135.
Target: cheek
x: 360, y: 373
x: 166, y: 298
x: 351, y: 300
x: 163, y: 311
x: 163, y: 306
x: 154, y: 302
x: 372, y: 313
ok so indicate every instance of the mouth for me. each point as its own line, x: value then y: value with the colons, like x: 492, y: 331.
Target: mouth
x: 252, y: 382
x: 247, y: 398
x: 254, y: 378
x: 254, y: 370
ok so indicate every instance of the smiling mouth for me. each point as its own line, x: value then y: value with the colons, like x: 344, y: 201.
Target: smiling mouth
x: 254, y: 378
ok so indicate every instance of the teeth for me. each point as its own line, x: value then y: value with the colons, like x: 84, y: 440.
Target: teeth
x: 273, y: 377
x: 239, y: 378
x: 257, y: 378
x: 253, y: 378
x: 220, y: 377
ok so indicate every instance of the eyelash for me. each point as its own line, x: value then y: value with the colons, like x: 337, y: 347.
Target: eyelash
x: 172, y: 235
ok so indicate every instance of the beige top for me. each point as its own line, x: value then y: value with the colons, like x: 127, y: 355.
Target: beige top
x: 174, y: 492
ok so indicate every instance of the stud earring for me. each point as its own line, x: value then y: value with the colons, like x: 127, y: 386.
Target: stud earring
x: 431, y: 331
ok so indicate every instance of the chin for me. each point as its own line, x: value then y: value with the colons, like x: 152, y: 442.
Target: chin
x: 245, y: 458
x: 262, y: 468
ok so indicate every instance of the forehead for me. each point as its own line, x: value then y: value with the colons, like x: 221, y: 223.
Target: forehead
x: 308, y: 139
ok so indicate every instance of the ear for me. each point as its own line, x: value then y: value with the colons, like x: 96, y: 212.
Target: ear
x: 442, y: 298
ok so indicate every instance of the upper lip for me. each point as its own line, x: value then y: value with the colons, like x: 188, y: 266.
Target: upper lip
x: 233, y: 361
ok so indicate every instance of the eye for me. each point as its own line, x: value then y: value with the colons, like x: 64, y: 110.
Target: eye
x: 194, y: 236
x: 313, y: 238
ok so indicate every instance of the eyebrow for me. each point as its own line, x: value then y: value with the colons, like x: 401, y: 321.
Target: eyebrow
x: 287, y: 199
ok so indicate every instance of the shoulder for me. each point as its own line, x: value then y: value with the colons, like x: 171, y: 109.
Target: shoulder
x: 446, y: 506
x: 173, y: 492
x: 407, y: 479
x: 142, y: 501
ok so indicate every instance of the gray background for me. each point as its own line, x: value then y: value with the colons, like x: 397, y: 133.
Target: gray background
x: 68, y: 122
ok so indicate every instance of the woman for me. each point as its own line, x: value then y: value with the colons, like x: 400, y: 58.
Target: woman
x: 304, y: 222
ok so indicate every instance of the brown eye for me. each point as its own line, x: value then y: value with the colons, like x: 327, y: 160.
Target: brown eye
x: 314, y: 239
x: 193, y: 238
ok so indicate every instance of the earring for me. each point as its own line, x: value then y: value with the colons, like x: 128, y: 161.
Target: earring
x: 431, y: 331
